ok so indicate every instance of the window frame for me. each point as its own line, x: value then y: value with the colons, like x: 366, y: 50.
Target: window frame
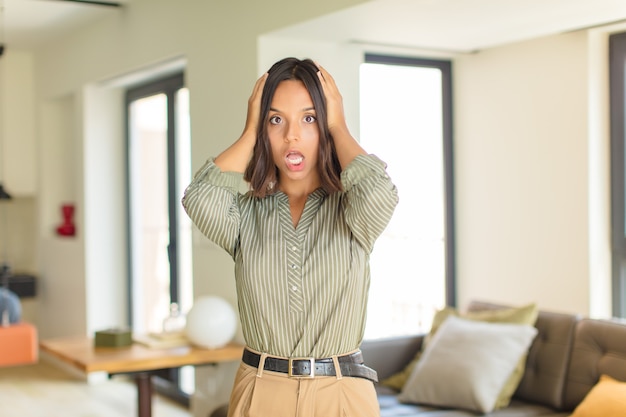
x: 617, y: 96
x: 168, y: 86
x: 166, y: 381
x: 445, y: 66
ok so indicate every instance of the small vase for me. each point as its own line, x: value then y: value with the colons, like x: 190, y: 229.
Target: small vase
x: 67, y: 228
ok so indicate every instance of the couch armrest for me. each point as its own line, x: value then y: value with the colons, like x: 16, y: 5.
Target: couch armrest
x: 390, y: 355
x: 599, y: 347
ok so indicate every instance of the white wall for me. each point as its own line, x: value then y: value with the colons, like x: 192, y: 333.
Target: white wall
x: 17, y: 123
x: 103, y: 211
x: 61, y: 281
x: 600, y: 268
x: 524, y: 177
x: 18, y: 246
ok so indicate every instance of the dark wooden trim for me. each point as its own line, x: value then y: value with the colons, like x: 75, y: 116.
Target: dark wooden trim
x: 168, y: 86
x: 617, y: 75
x: 173, y: 200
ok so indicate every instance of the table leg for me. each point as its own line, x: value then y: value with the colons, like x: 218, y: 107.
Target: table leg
x: 144, y: 394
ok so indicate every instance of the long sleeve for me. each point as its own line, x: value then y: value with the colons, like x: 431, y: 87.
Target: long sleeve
x: 370, y: 198
x: 211, y: 201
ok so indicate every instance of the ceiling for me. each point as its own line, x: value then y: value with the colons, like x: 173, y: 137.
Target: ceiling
x: 458, y: 25
x: 31, y: 23
x: 445, y: 25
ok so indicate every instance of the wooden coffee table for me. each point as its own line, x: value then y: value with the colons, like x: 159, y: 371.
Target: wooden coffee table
x: 136, y: 360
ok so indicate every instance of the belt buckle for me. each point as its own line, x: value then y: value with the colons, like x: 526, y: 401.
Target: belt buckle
x: 312, y: 365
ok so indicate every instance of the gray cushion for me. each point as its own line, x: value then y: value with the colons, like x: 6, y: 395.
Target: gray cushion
x: 390, y: 355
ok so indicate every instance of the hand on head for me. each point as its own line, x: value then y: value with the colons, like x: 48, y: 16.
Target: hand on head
x: 334, y: 100
x: 254, y: 105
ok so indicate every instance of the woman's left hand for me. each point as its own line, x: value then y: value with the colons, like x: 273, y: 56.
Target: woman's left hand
x: 346, y: 146
x: 334, y: 101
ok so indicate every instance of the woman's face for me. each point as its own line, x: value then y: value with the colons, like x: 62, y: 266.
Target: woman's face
x: 294, y: 134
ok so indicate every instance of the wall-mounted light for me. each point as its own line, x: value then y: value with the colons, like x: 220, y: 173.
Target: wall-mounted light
x: 96, y: 3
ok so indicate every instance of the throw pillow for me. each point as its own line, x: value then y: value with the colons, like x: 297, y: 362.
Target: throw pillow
x: 606, y: 399
x: 526, y: 314
x: 467, y: 363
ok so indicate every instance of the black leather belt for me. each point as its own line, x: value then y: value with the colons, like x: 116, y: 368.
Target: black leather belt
x: 350, y: 365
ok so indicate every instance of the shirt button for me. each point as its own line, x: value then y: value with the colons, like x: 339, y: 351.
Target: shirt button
x: 295, y: 288
x: 294, y: 248
x: 294, y: 266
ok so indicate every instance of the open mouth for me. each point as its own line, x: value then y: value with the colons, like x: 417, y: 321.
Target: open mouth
x: 294, y: 158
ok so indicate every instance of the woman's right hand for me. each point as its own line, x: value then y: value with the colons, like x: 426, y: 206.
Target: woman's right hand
x: 254, y: 106
x: 236, y: 157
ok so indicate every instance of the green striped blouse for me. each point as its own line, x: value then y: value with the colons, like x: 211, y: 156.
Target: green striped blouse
x: 302, y: 292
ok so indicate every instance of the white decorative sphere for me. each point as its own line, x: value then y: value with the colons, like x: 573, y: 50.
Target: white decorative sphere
x: 211, y: 322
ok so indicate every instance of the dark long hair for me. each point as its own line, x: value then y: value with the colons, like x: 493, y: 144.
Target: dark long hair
x: 261, y: 172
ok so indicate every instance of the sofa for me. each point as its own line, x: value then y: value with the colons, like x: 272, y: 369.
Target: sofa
x: 565, y: 361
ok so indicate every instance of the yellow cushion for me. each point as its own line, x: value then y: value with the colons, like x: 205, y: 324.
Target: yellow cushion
x: 606, y: 399
x: 526, y: 314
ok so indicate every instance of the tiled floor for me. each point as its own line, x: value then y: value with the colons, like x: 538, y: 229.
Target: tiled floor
x: 43, y: 390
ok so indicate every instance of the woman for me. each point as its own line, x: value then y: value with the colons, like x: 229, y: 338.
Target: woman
x: 301, y: 240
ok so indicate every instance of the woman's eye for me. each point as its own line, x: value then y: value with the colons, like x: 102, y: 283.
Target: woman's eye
x: 309, y: 119
x: 275, y: 120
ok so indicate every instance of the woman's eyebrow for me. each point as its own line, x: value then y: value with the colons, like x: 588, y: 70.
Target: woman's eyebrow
x: 304, y: 109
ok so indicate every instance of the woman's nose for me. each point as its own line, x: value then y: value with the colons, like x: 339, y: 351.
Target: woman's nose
x: 293, y: 132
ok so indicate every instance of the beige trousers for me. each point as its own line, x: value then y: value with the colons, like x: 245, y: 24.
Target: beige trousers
x: 259, y: 393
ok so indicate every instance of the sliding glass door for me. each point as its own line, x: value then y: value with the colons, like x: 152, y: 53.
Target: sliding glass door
x: 160, y: 233
x: 406, y: 121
